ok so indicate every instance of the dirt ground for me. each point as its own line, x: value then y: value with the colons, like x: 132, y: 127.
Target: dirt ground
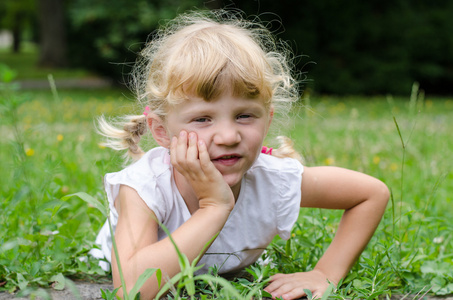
x: 85, y: 291
x: 92, y: 291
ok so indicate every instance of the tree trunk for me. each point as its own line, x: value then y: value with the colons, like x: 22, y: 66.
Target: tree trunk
x: 52, y: 34
x: 17, y: 32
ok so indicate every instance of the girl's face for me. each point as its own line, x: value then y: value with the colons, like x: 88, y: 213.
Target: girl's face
x: 233, y: 129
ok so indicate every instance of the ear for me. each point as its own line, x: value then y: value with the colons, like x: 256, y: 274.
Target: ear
x: 271, y: 114
x: 158, y: 130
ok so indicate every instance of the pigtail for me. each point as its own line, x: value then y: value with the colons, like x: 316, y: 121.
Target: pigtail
x: 286, y: 149
x: 127, y: 138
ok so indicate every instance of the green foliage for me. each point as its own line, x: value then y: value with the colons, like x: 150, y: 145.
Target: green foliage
x: 25, y: 66
x: 106, y: 35
x: 43, y: 238
x: 14, y: 11
x: 366, y: 47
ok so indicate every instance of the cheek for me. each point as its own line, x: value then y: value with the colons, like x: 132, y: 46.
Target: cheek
x: 256, y: 139
x: 203, y: 135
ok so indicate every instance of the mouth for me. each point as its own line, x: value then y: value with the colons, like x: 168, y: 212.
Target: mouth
x: 227, y: 159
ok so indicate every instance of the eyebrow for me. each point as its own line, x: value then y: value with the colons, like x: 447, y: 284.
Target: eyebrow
x: 211, y: 110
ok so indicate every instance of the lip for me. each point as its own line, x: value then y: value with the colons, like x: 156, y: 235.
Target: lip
x: 227, y: 159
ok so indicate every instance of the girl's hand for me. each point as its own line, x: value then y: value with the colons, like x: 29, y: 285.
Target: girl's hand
x: 190, y: 158
x: 291, y: 286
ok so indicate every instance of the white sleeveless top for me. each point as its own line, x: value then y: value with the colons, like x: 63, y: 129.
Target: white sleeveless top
x: 268, y: 205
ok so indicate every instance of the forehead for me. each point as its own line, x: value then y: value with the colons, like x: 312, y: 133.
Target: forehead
x: 225, y: 103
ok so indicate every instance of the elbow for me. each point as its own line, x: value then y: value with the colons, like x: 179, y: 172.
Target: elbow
x: 149, y: 290
x: 382, y: 195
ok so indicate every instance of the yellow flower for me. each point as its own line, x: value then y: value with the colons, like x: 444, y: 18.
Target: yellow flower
x: 329, y: 161
x: 60, y: 137
x: 64, y: 189
x: 101, y: 146
x: 29, y: 152
x: 393, y: 167
x: 376, y: 160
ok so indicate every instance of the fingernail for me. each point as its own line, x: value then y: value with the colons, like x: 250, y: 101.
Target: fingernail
x: 182, y: 133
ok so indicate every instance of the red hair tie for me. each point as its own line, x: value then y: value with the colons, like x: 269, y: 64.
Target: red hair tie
x: 266, y: 150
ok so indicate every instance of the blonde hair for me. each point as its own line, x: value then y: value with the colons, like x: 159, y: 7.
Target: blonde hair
x: 205, y: 54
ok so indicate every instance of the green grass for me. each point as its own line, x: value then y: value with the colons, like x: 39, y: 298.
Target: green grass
x: 25, y: 64
x: 49, y: 149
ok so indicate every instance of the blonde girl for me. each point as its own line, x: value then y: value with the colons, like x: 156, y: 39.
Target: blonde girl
x: 209, y: 84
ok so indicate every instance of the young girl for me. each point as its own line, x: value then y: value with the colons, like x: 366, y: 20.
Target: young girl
x: 210, y: 85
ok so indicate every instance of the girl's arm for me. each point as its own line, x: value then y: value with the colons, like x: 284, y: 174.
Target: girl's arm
x: 364, y: 200
x: 136, y: 231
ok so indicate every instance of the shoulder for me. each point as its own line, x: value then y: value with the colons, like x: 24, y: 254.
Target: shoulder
x: 276, y: 175
x: 150, y: 177
x: 269, y: 163
x: 153, y: 164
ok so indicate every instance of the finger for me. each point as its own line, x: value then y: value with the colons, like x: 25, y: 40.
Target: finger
x: 181, y: 148
x: 178, y: 151
x: 174, y: 141
x: 192, y: 149
x: 205, y: 159
x: 288, y: 292
x: 284, y: 285
x: 277, y: 276
x: 295, y: 292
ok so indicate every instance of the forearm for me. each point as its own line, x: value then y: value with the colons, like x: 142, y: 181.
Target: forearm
x: 355, y: 230
x: 191, y: 238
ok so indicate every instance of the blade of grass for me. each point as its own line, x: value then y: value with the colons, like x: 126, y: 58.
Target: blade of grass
x: 142, y: 279
x: 90, y: 200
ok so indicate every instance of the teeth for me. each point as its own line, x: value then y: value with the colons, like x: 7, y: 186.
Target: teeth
x: 227, y: 157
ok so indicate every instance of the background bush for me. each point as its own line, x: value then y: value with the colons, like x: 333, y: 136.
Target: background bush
x: 353, y: 47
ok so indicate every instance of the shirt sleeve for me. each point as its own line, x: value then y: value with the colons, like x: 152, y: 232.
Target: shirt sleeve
x: 143, y: 182
x: 288, y: 202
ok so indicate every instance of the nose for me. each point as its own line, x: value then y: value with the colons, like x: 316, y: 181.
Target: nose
x: 227, y: 135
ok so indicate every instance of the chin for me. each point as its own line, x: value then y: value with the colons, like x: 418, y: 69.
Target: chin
x: 232, y: 180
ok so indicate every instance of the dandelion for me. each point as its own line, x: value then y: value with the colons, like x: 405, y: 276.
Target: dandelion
x: 29, y: 152
x: 376, y: 160
x: 393, y: 167
x: 60, y: 137
x: 329, y: 161
x: 101, y: 146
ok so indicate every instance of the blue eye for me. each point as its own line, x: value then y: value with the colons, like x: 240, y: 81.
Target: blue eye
x: 244, y: 116
x: 201, y: 120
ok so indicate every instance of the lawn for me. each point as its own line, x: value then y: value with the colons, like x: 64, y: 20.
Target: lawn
x: 25, y: 64
x: 50, y: 149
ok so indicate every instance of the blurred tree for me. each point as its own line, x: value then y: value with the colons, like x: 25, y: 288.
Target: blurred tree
x: 52, y: 33
x: 106, y: 35
x: 17, y: 15
x: 358, y: 47
x: 366, y: 47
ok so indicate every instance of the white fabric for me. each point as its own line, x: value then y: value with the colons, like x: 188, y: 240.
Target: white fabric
x: 268, y: 205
